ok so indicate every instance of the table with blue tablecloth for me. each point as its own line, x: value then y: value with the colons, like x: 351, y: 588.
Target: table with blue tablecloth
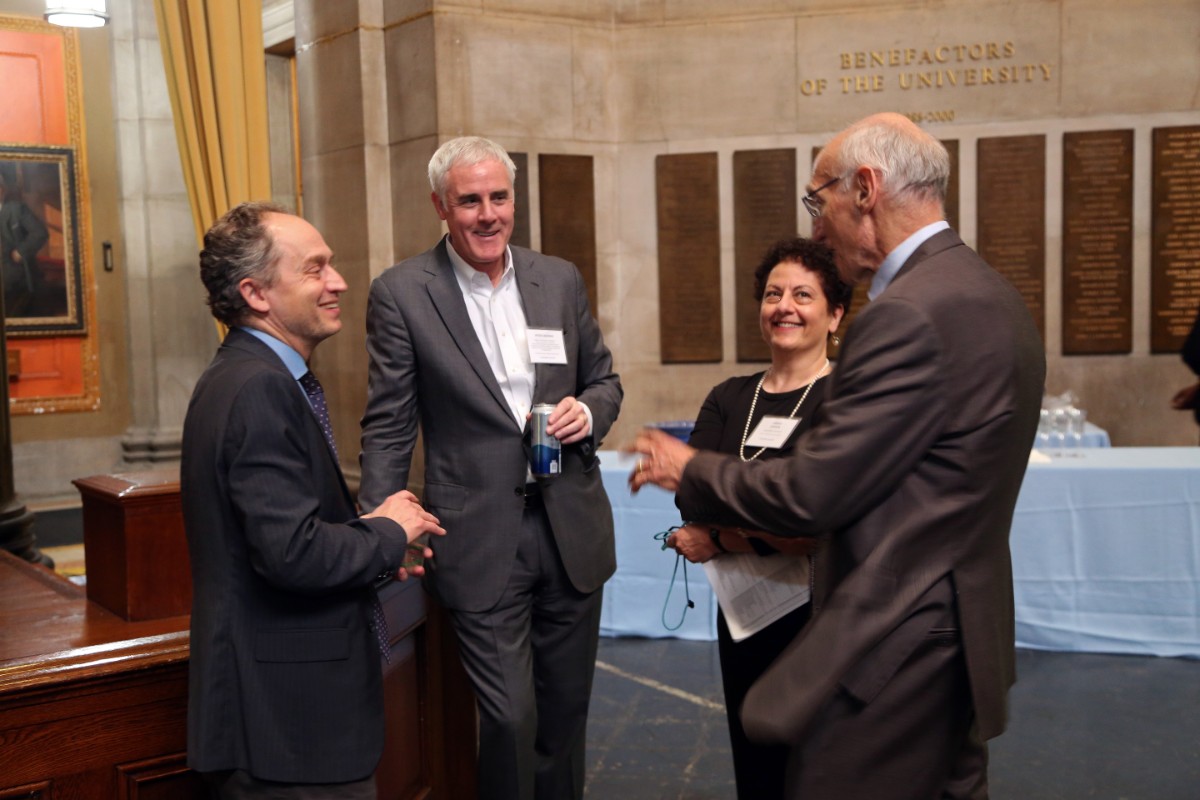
x: 1105, y: 545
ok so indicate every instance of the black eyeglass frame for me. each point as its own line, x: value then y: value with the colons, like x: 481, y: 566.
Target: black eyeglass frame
x: 810, y: 199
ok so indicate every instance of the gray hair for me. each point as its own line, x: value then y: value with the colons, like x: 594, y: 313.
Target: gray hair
x: 466, y: 151
x: 913, y: 164
x: 236, y: 247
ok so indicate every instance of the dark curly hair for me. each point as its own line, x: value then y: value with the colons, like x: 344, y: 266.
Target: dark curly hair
x: 812, y: 255
x: 236, y: 247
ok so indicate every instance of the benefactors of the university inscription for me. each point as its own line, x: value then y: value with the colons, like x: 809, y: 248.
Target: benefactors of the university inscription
x: 689, y: 258
x: 1097, y: 242
x: 932, y: 67
x: 1175, y: 236
x: 1011, y: 214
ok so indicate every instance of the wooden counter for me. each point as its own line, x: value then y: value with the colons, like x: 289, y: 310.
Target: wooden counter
x: 91, y: 706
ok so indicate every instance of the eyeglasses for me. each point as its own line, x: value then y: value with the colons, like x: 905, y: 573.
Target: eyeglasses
x: 810, y: 200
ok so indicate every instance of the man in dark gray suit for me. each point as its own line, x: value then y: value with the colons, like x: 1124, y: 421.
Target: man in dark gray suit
x: 912, y: 471
x: 285, y: 690
x: 464, y: 339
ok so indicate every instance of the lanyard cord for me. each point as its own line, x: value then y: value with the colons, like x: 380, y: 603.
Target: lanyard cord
x: 662, y: 536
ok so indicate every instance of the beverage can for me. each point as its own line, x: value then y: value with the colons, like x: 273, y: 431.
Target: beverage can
x: 546, y: 453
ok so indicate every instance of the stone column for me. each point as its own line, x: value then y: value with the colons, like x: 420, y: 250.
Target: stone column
x: 346, y: 90
x: 171, y: 334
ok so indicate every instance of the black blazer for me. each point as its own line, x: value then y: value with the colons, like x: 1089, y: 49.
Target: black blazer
x: 285, y: 678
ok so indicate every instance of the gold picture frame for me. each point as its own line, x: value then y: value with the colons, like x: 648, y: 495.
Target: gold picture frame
x: 40, y: 259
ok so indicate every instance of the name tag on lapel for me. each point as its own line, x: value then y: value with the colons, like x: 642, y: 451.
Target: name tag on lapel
x: 546, y: 346
x: 772, y: 432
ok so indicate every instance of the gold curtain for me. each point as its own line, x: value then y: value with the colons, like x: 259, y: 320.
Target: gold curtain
x: 216, y: 74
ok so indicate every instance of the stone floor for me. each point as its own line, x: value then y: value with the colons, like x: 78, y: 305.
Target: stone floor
x: 1082, y: 726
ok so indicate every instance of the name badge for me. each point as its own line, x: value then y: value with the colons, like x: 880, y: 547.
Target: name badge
x: 546, y: 346
x: 772, y: 432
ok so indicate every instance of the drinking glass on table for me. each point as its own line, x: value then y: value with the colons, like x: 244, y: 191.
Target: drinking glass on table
x: 1042, y: 442
x: 1077, y: 424
x: 1059, y: 425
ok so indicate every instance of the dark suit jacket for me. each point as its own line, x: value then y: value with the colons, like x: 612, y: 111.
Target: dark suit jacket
x: 284, y: 677
x: 427, y: 364
x: 914, y: 467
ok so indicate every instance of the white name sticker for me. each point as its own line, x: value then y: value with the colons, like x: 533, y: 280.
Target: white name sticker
x: 772, y: 432
x: 546, y: 346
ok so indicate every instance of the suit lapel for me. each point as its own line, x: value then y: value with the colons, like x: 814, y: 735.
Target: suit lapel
x: 447, y: 298
x: 240, y: 340
x: 540, y: 311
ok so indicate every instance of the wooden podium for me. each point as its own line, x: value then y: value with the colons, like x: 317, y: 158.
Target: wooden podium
x: 93, y: 684
x: 133, y: 544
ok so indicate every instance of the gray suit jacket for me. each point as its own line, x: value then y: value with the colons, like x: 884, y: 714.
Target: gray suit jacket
x: 913, y: 468
x: 284, y: 679
x: 427, y: 366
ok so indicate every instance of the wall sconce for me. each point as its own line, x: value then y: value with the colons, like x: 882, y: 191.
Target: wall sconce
x: 76, y: 13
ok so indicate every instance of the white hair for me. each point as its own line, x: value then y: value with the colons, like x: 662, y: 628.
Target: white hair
x: 912, y: 163
x: 466, y: 151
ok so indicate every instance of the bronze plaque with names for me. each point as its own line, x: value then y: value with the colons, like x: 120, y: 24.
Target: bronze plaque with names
x: 568, y: 214
x: 1097, y: 236
x: 1011, y: 214
x: 520, y: 234
x: 689, y: 258
x: 1175, y: 236
x: 764, y: 211
x: 951, y: 204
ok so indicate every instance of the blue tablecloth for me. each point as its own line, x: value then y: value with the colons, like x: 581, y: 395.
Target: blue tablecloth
x: 1105, y: 545
x: 1106, y: 552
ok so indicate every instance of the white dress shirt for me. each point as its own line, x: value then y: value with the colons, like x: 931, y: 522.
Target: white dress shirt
x: 499, y: 322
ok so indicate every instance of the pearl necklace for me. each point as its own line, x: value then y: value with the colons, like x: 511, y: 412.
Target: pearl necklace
x: 754, y: 402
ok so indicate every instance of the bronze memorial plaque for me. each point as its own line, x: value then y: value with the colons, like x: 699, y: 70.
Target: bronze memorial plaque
x: 568, y: 214
x: 1175, y: 236
x: 1097, y: 238
x: 520, y: 234
x: 764, y: 211
x: 689, y: 258
x: 1011, y: 214
x: 951, y: 146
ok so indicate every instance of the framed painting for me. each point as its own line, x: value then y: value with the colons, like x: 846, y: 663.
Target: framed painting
x: 39, y: 242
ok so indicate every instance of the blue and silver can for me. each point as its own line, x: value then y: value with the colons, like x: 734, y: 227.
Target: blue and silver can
x: 546, y: 454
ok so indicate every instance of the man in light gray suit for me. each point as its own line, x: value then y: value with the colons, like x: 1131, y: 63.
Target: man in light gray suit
x: 463, y: 340
x: 912, y: 470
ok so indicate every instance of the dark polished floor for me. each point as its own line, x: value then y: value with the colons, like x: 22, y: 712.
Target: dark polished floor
x: 1082, y: 727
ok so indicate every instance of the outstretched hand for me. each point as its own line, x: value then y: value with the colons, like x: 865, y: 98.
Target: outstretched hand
x: 663, y: 460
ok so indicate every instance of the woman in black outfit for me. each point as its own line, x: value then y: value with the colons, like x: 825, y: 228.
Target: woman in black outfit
x: 802, y: 301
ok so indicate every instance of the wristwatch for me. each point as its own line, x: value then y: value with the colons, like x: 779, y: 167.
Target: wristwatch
x: 715, y: 535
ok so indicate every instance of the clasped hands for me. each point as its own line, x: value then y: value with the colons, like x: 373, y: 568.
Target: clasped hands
x: 405, y: 510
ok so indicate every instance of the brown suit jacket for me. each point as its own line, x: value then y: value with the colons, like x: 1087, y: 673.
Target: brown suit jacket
x: 913, y: 470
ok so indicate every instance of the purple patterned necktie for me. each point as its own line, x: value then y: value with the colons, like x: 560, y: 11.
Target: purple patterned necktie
x: 316, y: 398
